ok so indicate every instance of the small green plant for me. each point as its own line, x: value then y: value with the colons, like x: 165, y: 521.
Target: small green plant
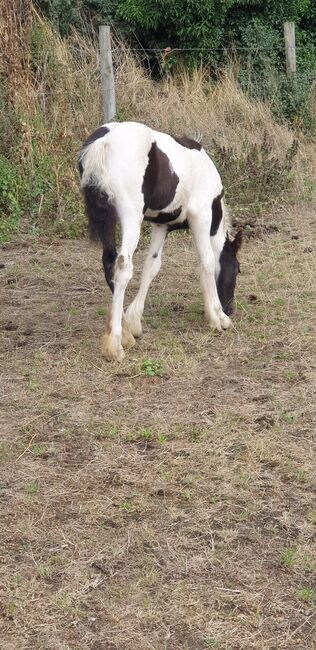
x: 195, y: 433
x: 287, y: 417
x: 161, y: 438
x: 300, y: 476
x: 145, y: 434
x: 125, y: 505
x: 307, y: 594
x: 290, y: 374
x: 152, y: 368
x: 43, y: 570
x: 281, y: 356
x: 279, y: 302
x: 38, y: 450
x: 288, y: 556
x: 100, y: 311
x: 12, y: 608
x: 32, y: 487
x: 32, y: 384
x: 164, y: 474
x: 107, y: 431
x: 217, y: 498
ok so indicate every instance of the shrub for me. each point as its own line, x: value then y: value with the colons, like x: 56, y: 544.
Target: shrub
x: 11, y: 193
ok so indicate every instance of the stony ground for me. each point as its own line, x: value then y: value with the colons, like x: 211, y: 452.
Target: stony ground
x: 165, y: 503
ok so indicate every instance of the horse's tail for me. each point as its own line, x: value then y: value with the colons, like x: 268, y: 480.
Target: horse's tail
x: 95, y: 183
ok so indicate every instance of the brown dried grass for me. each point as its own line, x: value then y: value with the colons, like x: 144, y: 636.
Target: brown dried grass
x: 172, y: 512
x: 192, y: 103
x: 63, y: 88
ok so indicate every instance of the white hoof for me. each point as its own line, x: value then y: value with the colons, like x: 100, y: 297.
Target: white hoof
x: 112, y: 350
x: 218, y: 320
x: 225, y: 321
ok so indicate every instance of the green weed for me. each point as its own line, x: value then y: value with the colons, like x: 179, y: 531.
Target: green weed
x: 32, y: 487
x: 290, y: 375
x: 307, y: 594
x: 161, y: 438
x: 300, y: 476
x: 152, y: 368
x: 11, y: 192
x: 164, y: 474
x: 43, y: 570
x: 288, y: 556
x: 287, y: 417
x: 100, y: 311
x: 145, y: 434
x: 125, y: 505
x: 38, y: 450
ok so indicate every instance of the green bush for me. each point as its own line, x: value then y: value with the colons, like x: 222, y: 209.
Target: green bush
x: 11, y: 192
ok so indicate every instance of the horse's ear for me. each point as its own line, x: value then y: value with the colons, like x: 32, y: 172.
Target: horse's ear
x: 236, y: 243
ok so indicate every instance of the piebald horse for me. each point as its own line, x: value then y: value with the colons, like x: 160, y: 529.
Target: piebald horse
x: 130, y: 173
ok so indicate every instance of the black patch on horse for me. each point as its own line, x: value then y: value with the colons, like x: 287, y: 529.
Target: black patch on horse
x: 217, y: 213
x: 165, y: 217
x: 159, y: 183
x: 184, y: 225
x: 80, y: 167
x: 188, y: 143
x: 98, y: 133
x: 102, y: 217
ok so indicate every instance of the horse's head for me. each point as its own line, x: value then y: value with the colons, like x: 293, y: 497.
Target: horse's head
x: 229, y: 269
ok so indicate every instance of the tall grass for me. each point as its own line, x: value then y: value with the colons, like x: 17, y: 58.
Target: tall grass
x: 50, y: 100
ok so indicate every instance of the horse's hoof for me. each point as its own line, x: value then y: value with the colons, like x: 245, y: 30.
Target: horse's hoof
x: 128, y: 340
x: 134, y: 322
x: 225, y: 321
x: 111, y: 350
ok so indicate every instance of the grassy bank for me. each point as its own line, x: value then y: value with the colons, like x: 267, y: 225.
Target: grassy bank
x: 50, y: 100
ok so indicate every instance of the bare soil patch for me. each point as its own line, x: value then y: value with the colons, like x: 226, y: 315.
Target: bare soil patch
x: 166, y: 503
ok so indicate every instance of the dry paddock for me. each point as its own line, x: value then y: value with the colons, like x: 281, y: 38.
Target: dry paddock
x: 165, y: 503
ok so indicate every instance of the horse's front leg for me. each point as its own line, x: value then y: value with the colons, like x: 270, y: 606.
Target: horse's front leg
x: 117, y: 335
x: 200, y: 225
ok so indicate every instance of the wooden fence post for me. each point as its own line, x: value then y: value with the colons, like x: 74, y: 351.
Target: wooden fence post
x: 290, y: 54
x: 107, y: 74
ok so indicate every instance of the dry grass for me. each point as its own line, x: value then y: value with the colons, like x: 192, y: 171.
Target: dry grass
x: 171, y: 512
x: 194, y: 104
x: 60, y: 83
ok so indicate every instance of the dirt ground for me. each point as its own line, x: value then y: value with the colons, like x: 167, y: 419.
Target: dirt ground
x: 164, y: 503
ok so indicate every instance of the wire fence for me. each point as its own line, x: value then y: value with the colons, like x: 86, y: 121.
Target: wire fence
x: 251, y: 60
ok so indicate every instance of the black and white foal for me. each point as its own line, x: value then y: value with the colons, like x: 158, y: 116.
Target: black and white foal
x: 129, y: 173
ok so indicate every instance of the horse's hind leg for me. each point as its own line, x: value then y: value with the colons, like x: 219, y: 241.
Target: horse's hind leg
x: 116, y: 334
x: 151, y: 267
